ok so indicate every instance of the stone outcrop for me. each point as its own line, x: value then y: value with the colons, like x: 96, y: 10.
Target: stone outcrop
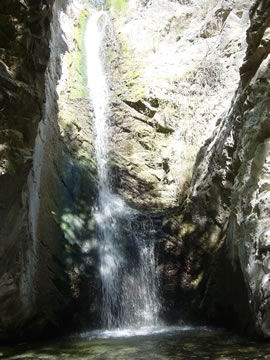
x: 174, y: 85
x: 25, y: 32
x: 245, y: 141
x: 47, y: 174
x: 175, y: 69
x: 175, y: 73
x: 225, y: 216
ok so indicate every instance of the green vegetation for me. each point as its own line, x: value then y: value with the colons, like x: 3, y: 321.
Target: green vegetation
x: 131, y: 72
x: 75, y: 59
x: 76, y: 79
x: 117, y: 5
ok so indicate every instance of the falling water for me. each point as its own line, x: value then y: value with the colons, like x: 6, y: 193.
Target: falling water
x: 126, y: 237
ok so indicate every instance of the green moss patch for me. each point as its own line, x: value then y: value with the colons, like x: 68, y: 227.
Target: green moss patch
x: 131, y: 74
x: 76, y: 60
x: 117, y: 5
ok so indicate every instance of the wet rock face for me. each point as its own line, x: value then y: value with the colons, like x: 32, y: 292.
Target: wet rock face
x: 173, y: 88
x: 250, y: 197
x: 47, y: 175
x: 76, y: 169
x: 176, y: 72
x: 24, y: 54
x: 228, y: 204
x: 24, y: 38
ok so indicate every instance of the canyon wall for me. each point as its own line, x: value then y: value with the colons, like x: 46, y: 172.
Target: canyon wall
x: 189, y: 147
x: 25, y: 31
x: 230, y: 191
x: 176, y: 72
x: 47, y: 173
x: 214, y: 250
x: 173, y: 82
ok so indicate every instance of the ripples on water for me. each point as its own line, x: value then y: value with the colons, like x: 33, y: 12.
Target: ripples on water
x: 147, y: 343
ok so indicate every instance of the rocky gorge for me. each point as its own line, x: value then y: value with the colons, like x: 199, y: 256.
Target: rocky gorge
x: 189, y: 147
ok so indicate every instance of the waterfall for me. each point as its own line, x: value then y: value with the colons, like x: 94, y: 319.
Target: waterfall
x: 125, y: 236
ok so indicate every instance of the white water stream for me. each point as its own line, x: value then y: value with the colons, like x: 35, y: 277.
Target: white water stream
x: 125, y: 236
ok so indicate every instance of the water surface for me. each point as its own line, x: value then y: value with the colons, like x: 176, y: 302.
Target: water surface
x: 157, y: 344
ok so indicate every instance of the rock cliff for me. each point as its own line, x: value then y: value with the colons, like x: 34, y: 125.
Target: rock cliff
x: 221, y: 231
x: 176, y: 73
x: 176, y: 83
x: 47, y: 170
x: 190, y: 146
x: 25, y: 29
x: 230, y: 183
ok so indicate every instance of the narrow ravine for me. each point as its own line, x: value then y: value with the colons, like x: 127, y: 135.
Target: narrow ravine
x: 125, y: 236
x: 134, y: 168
